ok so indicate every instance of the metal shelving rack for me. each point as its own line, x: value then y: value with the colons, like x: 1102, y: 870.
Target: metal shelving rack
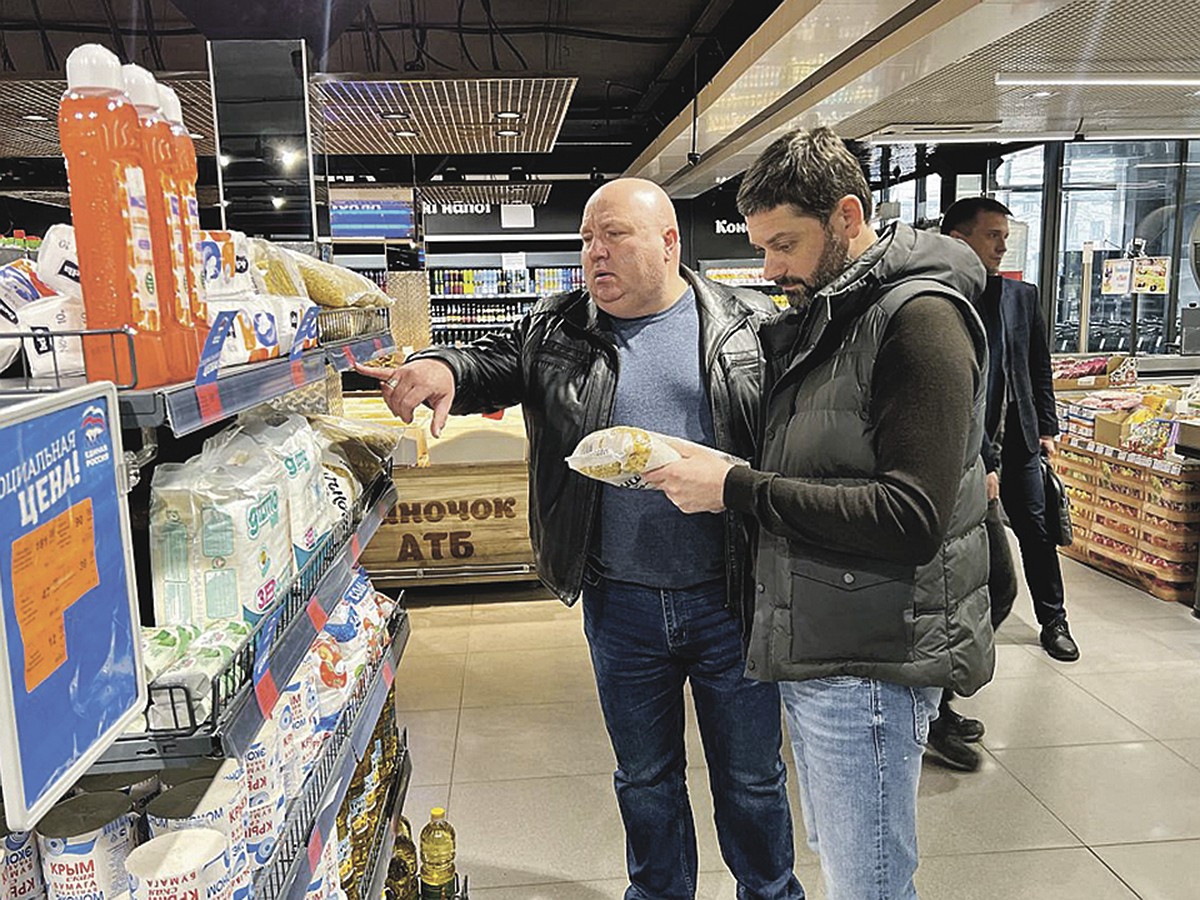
x: 241, y: 693
x: 310, y: 819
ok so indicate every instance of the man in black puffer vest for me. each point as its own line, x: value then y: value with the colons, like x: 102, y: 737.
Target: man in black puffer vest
x: 868, y: 492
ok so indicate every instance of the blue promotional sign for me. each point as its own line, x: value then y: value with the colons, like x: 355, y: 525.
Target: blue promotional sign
x: 71, y: 678
x: 371, y: 218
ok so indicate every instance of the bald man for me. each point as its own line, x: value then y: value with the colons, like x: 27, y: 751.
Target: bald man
x: 649, y: 343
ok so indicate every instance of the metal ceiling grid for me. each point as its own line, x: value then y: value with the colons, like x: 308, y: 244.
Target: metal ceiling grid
x: 456, y: 116
x: 20, y: 97
x: 1087, y: 36
x: 533, y: 193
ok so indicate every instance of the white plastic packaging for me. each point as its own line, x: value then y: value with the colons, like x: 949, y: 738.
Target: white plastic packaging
x: 225, y: 258
x: 254, y: 335
x: 220, y: 540
x: 49, y: 349
x: 291, y: 441
x: 58, y: 261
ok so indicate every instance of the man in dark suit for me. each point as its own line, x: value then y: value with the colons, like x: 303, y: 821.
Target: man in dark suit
x: 1020, y: 425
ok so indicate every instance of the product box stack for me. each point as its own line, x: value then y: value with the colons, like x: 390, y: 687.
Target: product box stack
x: 1135, y: 502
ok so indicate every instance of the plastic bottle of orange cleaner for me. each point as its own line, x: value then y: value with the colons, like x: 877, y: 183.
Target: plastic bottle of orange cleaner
x: 185, y: 179
x: 166, y: 223
x: 99, y: 131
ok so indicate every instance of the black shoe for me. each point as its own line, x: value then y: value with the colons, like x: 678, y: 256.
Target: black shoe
x: 969, y: 730
x: 950, y: 750
x: 1057, y: 641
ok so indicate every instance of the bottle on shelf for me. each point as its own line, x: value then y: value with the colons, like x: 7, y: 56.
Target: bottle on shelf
x: 402, y: 883
x: 98, y: 128
x: 166, y: 223
x: 189, y: 208
x: 437, y: 878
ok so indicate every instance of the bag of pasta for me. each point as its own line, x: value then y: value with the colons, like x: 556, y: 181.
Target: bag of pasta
x: 274, y: 271
x: 621, y: 454
x: 336, y: 287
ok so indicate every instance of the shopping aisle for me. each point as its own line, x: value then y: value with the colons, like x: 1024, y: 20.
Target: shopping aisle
x: 1090, y: 786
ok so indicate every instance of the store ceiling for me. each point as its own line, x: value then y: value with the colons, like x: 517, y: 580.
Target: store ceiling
x: 598, y: 81
x: 873, y: 67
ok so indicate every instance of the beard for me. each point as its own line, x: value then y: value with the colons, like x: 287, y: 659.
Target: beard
x: 835, y: 255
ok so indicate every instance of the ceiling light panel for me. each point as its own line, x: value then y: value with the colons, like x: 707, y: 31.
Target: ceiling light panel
x: 533, y: 193
x: 450, y: 116
x: 21, y: 98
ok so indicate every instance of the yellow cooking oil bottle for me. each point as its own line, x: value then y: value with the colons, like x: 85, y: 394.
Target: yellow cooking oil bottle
x: 437, y: 878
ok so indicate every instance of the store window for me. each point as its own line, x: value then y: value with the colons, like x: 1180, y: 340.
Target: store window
x: 1115, y: 264
x: 1017, y: 182
x: 1189, y: 289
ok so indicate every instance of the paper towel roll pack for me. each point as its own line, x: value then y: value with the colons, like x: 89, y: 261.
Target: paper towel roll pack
x: 21, y: 867
x: 190, y: 865
x: 83, y: 843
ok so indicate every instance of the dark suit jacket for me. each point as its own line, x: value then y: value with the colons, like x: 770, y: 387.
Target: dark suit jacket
x: 1027, y: 369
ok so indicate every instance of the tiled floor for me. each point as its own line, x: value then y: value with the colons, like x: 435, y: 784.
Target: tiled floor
x: 1090, y: 786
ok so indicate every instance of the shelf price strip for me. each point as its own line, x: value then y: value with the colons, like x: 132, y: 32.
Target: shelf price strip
x: 208, y: 392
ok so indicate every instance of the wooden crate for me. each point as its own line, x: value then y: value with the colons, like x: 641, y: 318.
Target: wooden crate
x: 455, y: 522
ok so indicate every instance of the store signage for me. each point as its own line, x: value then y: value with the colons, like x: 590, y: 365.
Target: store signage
x: 71, y: 677
x: 417, y: 545
x: 456, y: 209
x: 382, y: 219
x: 1151, y: 274
x: 1118, y: 276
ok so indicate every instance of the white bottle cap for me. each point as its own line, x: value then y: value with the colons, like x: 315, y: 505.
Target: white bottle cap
x: 168, y: 100
x: 140, y: 86
x: 93, y: 66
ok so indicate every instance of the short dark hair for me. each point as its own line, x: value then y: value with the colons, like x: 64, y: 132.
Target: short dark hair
x: 963, y: 212
x: 811, y: 171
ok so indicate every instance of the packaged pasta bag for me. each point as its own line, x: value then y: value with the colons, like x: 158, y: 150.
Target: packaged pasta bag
x: 335, y: 286
x: 620, y: 455
x: 274, y: 271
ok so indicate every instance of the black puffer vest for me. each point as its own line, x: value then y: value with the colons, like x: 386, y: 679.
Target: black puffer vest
x: 822, y: 613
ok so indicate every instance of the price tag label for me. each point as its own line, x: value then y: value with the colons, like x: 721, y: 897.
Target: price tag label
x: 53, y: 566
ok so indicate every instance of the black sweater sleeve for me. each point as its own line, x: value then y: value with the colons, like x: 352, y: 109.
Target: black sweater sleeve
x: 920, y: 413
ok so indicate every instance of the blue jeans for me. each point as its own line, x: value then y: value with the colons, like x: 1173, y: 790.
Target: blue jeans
x: 645, y: 643
x: 858, y: 745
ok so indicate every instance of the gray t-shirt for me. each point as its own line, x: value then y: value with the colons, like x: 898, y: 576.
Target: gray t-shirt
x: 643, y: 537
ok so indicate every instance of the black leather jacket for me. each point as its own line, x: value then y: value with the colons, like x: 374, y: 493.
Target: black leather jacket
x: 562, y: 368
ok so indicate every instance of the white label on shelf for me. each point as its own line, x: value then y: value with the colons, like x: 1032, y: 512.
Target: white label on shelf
x: 511, y: 261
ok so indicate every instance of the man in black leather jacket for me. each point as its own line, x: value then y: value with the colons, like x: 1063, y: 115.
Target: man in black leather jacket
x: 649, y: 343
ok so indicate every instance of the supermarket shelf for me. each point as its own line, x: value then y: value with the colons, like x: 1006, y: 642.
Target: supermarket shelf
x: 310, y: 818
x: 525, y: 296
x: 342, y: 355
x: 245, y: 715
x: 285, y: 635
x: 186, y: 408
x: 384, y: 839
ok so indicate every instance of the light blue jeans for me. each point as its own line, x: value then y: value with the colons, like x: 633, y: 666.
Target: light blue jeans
x: 858, y: 745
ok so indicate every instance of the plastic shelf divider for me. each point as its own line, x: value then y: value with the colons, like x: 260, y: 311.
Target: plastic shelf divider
x: 342, y: 355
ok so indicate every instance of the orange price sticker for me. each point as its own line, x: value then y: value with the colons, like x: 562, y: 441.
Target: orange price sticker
x: 52, y: 567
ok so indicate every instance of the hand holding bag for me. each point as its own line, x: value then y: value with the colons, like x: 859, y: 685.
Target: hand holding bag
x: 1058, y: 506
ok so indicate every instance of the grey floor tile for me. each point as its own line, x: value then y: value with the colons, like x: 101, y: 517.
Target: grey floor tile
x: 1109, y: 645
x: 431, y: 741
x: 980, y: 812
x: 1024, y: 659
x: 1158, y: 871
x: 1189, y: 750
x: 506, y: 678
x: 525, y: 610
x: 538, y: 831
x: 502, y: 743
x: 1045, y: 712
x: 1073, y: 874
x: 430, y: 682
x: 1162, y: 702
x: 1113, y: 793
x: 421, y: 799
x: 609, y: 889
x: 522, y: 635
x: 431, y: 639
